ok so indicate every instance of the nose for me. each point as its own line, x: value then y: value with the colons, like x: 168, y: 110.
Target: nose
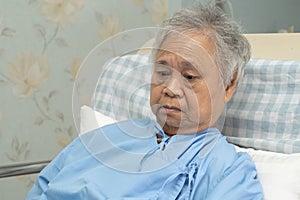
x: 173, y: 88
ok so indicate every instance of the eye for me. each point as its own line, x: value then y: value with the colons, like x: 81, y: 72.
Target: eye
x: 163, y: 73
x: 190, y: 77
x: 162, y: 69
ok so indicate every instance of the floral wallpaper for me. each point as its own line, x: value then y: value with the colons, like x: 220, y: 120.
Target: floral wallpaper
x: 42, y: 44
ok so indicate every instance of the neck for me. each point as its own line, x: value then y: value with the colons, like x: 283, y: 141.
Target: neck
x: 171, y: 131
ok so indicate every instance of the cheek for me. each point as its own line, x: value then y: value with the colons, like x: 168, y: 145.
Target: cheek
x: 155, y: 94
x: 201, y: 99
x: 204, y: 105
x: 211, y: 103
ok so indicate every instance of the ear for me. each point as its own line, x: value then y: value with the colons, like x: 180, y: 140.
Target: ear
x: 230, y: 89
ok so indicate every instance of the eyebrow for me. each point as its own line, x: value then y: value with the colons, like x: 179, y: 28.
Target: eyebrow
x: 186, y: 64
x: 183, y: 64
x: 162, y: 62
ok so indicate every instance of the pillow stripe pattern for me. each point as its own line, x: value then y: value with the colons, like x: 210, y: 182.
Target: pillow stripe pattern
x: 122, y: 91
x: 264, y: 113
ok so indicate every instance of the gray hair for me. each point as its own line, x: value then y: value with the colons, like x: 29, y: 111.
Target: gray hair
x: 232, y: 49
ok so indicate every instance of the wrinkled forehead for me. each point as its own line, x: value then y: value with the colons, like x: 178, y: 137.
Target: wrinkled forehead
x: 197, y: 49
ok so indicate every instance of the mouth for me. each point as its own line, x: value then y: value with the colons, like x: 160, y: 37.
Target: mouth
x: 170, y: 109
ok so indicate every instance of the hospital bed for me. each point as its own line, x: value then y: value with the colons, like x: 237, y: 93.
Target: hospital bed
x: 276, y: 155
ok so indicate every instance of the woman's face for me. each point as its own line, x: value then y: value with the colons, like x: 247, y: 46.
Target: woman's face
x: 187, y: 92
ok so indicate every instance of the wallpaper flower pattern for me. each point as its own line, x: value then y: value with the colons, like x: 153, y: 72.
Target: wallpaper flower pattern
x: 61, y: 12
x: 42, y: 44
x: 28, y: 74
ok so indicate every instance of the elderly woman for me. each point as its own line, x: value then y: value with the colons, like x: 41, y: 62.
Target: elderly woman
x: 199, y: 60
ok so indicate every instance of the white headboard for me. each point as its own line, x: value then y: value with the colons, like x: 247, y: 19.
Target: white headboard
x: 283, y: 46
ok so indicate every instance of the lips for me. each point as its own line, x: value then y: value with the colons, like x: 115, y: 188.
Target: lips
x: 170, y: 109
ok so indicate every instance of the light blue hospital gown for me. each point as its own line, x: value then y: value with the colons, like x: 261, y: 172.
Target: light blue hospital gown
x: 124, y: 161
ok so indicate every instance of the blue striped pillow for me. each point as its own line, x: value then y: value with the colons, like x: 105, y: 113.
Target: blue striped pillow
x: 122, y: 91
x: 264, y: 113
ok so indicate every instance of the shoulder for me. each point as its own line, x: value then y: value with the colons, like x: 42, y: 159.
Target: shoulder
x: 129, y: 134
x: 223, y: 155
x: 231, y: 174
x: 121, y: 131
x: 227, y: 153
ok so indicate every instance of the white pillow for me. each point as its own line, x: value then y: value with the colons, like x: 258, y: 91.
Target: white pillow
x: 278, y: 173
x: 91, y: 119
